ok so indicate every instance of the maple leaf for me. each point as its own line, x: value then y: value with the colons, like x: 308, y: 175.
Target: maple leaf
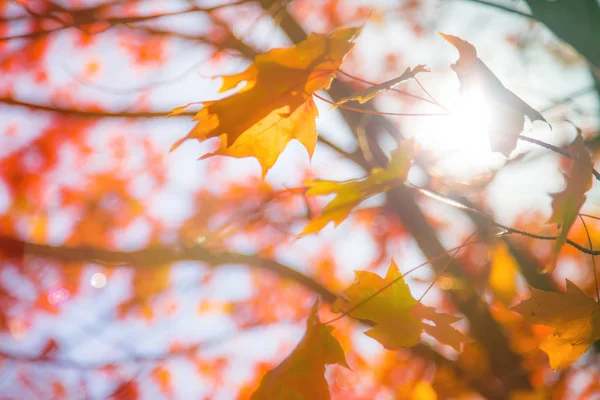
x: 351, y: 193
x: 566, y: 204
x: 275, y: 105
x: 503, y: 274
x: 574, y: 316
x: 301, y: 374
x: 364, y: 95
x: 397, y: 316
x: 508, y: 110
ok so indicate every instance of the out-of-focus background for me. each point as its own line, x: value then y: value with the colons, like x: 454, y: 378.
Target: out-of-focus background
x: 130, y: 271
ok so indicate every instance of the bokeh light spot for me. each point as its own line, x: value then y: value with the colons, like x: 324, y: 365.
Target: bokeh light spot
x: 98, y: 280
x: 58, y: 296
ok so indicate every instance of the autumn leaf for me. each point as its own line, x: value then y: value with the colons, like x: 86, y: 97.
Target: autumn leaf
x: 397, y: 316
x: 362, y: 96
x: 301, y: 374
x: 275, y: 105
x: 574, y: 316
x: 162, y: 377
x: 503, y: 274
x: 508, y: 110
x: 146, y: 284
x: 566, y: 204
x: 351, y: 193
x: 127, y: 391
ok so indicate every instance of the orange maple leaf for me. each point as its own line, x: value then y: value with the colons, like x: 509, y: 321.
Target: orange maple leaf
x: 508, y: 110
x: 574, y: 316
x: 301, y: 374
x: 275, y: 105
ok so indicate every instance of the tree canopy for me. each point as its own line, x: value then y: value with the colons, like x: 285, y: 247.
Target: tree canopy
x: 299, y: 199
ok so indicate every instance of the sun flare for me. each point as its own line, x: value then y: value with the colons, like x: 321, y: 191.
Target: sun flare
x: 459, y: 141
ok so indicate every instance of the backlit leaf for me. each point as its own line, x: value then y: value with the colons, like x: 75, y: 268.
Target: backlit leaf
x: 362, y: 96
x: 438, y: 325
x: 351, y: 193
x: 566, y: 204
x: 397, y: 316
x: 574, y: 316
x: 301, y: 374
x: 508, y: 110
x: 275, y: 105
x: 503, y: 274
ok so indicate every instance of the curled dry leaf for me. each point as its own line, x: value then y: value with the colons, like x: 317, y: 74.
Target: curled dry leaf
x: 279, y: 87
x: 364, y: 95
x: 508, y: 110
x: 349, y: 194
x: 574, y: 316
x: 398, y: 317
x: 301, y: 374
x: 577, y: 172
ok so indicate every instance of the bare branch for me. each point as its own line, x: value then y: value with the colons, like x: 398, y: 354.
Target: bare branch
x: 156, y: 256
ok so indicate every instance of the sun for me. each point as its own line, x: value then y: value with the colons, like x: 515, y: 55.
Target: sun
x: 459, y: 141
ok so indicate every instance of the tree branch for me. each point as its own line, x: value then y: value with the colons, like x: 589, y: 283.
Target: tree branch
x: 156, y: 256
x: 503, y: 8
x: 89, y: 113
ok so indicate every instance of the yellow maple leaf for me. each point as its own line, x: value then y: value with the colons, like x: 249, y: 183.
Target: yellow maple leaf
x: 301, y: 374
x: 508, y: 110
x: 275, y: 105
x: 574, y: 316
x: 364, y: 95
x: 351, y: 193
x: 397, y: 316
x: 566, y: 204
x: 503, y: 274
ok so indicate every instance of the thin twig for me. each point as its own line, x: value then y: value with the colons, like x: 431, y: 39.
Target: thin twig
x: 452, y: 257
x: 363, y: 111
x: 556, y: 150
x: 590, y: 216
x: 546, y: 145
x: 569, y: 98
x: 429, y: 94
x: 506, y: 229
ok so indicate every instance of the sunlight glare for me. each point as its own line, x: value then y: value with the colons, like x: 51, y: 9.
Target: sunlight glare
x: 469, y: 123
x: 460, y: 140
